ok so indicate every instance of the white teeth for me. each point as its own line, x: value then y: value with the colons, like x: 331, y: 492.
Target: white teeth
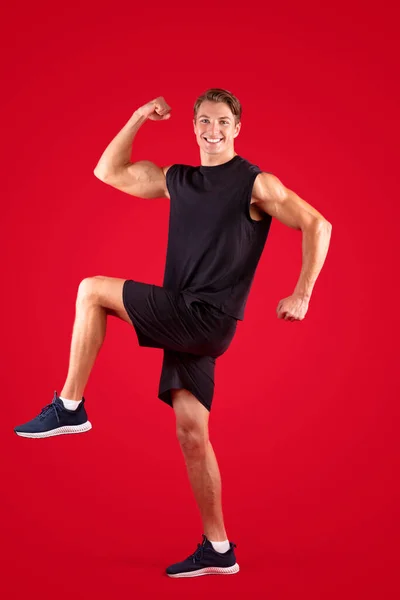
x: 212, y: 141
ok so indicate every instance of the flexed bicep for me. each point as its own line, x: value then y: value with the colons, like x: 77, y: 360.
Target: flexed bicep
x: 142, y: 179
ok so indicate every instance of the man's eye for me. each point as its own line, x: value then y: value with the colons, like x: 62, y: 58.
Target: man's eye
x: 206, y: 121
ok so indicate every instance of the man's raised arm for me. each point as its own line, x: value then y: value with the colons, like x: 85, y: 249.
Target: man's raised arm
x: 142, y: 178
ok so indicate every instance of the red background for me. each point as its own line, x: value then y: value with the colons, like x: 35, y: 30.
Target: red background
x: 305, y: 415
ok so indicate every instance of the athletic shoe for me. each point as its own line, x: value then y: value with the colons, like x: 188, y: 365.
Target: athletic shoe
x: 55, y: 419
x: 206, y: 561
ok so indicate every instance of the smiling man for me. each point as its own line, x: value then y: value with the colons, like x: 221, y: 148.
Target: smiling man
x: 217, y: 132
x: 220, y: 216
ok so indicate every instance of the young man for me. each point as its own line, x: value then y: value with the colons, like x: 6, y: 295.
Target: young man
x: 220, y: 217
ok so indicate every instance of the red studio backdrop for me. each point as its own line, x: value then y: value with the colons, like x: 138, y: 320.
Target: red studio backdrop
x: 305, y: 415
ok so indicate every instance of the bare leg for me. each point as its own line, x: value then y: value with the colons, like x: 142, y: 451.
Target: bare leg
x: 97, y: 298
x: 204, y: 476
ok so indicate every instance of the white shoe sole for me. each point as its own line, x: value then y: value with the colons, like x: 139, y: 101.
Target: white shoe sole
x: 209, y: 571
x: 58, y: 431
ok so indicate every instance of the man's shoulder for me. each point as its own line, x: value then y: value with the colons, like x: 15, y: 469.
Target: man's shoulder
x: 250, y: 164
x: 177, y: 166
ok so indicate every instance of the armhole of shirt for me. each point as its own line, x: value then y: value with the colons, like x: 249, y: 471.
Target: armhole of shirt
x: 253, y: 175
x: 169, y: 175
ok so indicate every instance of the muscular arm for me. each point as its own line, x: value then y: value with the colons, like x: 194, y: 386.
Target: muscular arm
x: 142, y: 178
x: 272, y: 197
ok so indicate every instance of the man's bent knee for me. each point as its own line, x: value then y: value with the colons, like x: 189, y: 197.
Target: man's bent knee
x: 91, y: 289
x: 87, y: 290
x: 105, y: 292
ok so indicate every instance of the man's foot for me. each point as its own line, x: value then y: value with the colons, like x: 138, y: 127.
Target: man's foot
x: 206, y: 561
x: 55, y: 419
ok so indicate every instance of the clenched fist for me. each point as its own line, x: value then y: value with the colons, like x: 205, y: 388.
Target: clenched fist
x: 156, y: 110
x: 293, y: 308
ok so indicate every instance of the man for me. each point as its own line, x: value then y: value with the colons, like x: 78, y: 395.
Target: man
x: 220, y: 217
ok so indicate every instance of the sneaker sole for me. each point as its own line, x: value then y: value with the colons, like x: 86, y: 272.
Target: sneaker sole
x: 209, y: 571
x: 58, y: 431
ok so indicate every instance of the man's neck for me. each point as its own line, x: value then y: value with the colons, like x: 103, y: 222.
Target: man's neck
x: 210, y: 160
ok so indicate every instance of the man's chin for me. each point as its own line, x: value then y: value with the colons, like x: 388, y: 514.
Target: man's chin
x: 217, y: 150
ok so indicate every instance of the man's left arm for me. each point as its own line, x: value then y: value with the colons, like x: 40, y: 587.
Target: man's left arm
x: 272, y: 197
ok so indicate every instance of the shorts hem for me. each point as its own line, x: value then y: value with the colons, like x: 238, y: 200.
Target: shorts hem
x: 165, y: 395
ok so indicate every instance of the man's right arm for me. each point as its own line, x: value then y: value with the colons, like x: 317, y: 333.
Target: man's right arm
x: 143, y: 178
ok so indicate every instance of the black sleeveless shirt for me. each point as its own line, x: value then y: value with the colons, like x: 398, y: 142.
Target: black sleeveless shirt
x: 214, y: 246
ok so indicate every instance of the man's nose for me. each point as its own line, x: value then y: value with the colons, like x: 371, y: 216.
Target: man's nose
x: 215, y: 128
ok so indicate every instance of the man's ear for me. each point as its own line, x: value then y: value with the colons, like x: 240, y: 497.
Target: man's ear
x: 238, y: 126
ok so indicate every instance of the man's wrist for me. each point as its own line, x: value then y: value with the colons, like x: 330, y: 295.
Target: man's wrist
x: 138, y: 116
x: 302, y: 295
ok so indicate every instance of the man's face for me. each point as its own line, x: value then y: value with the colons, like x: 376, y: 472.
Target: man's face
x: 215, y: 127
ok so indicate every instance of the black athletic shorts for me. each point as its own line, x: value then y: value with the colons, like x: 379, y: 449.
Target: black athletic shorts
x: 192, y: 334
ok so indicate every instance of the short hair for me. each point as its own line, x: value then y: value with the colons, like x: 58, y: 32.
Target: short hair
x: 220, y: 95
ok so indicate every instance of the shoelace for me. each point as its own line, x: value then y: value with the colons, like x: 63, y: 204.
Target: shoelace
x: 198, y: 554
x: 46, y: 409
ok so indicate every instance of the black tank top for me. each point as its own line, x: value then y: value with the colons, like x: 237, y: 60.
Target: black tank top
x: 213, y: 244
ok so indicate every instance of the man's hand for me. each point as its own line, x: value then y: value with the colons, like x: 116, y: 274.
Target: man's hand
x: 155, y: 110
x: 293, y: 308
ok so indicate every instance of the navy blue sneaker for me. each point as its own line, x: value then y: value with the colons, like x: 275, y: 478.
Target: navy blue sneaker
x: 55, y: 419
x: 206, y: 561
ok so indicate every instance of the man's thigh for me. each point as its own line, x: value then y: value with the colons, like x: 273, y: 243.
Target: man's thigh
x: 190, y: 413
